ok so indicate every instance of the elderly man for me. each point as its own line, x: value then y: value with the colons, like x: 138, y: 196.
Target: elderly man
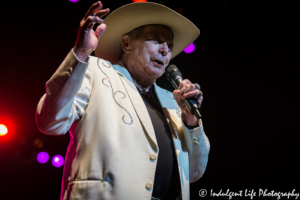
x: 129, y: 138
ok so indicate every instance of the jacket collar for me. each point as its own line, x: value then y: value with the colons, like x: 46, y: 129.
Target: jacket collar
x: 163, y: 95
x: 138, y: 103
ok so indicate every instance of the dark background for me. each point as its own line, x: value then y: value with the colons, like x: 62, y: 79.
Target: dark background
x: 246, y: 61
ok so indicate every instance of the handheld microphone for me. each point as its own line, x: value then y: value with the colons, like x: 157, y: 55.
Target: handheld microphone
x: 175, y: 77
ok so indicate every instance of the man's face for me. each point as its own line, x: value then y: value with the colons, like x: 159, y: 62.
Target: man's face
x: 151, y: 52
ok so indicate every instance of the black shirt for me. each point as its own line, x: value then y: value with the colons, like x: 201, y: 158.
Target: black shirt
x: 167, y: 181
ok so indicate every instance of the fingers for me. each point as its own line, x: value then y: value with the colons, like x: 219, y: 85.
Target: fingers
x: 190, y: 87
x: 188, y: 90
x: 178, y: 94
x: 175, y: 94
x: 100, y: 30
x: 102, y: 13
x: 199, y: 101
x: 93, y: 9
x: 94, y: 15
x: 90, y: 21
x: 183, y: 83
x: 190, y: 94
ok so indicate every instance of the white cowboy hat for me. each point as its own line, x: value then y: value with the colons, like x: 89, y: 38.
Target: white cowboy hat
x: 133, y: 15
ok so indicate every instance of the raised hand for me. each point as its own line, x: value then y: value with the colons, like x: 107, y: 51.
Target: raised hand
x: 87, y: 39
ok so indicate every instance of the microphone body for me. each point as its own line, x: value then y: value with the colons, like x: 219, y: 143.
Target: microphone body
x: 175, y: 77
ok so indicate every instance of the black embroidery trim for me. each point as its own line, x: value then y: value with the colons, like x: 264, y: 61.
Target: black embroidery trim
x: 105, y: 79
x: 114, y: 93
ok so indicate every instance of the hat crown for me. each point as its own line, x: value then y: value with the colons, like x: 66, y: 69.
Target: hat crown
x: 134, y: 15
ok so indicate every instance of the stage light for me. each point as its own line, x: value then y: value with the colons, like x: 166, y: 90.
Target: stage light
x: 57, y: 161
x: 135, y: 1
x: 190, y: 48
x: 3, y: 130
x: 42, y: 157
x: 73, y: 1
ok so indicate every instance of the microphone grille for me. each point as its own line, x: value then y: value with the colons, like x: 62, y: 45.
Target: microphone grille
x: 171, y: 68
x: 172, y: 71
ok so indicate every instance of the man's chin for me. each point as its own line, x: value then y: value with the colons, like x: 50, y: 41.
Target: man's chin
x: 156, y: 71
x: 158, y: 75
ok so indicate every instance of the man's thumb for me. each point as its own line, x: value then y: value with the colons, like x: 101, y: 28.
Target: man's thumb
x: 100, y: 30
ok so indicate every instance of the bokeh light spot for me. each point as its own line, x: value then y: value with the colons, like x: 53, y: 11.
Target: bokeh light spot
x: 42, y: 157
x: 190, y: 49
x: 3, y: 129
x: 38, y: 143
x: 57, y: 161
x: 74, y: 1
x: 135, y: 1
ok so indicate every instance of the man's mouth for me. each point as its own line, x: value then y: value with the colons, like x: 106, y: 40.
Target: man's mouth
x: 158, y: 62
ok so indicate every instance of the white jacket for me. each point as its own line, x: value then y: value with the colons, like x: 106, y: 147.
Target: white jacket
x: 113, y: 149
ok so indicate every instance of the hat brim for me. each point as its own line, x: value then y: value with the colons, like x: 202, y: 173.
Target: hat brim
x: 133, y: 15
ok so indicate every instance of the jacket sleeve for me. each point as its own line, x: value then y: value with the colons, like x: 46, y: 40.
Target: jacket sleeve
x: 198, y: 146
x: 66, y: 97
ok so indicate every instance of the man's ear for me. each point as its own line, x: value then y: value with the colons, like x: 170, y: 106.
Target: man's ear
x: 126, y: 43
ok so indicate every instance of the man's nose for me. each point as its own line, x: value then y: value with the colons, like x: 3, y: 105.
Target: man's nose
x: 164, y: 49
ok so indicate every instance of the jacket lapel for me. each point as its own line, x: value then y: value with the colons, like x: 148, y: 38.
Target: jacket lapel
x: 170, y: 109
x: 138, y: 104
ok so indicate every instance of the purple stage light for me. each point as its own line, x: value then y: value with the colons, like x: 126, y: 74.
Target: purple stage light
x: 190, y: 48
x: 42, y: 157
x: 57, y: 161
x: 73, y: 1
